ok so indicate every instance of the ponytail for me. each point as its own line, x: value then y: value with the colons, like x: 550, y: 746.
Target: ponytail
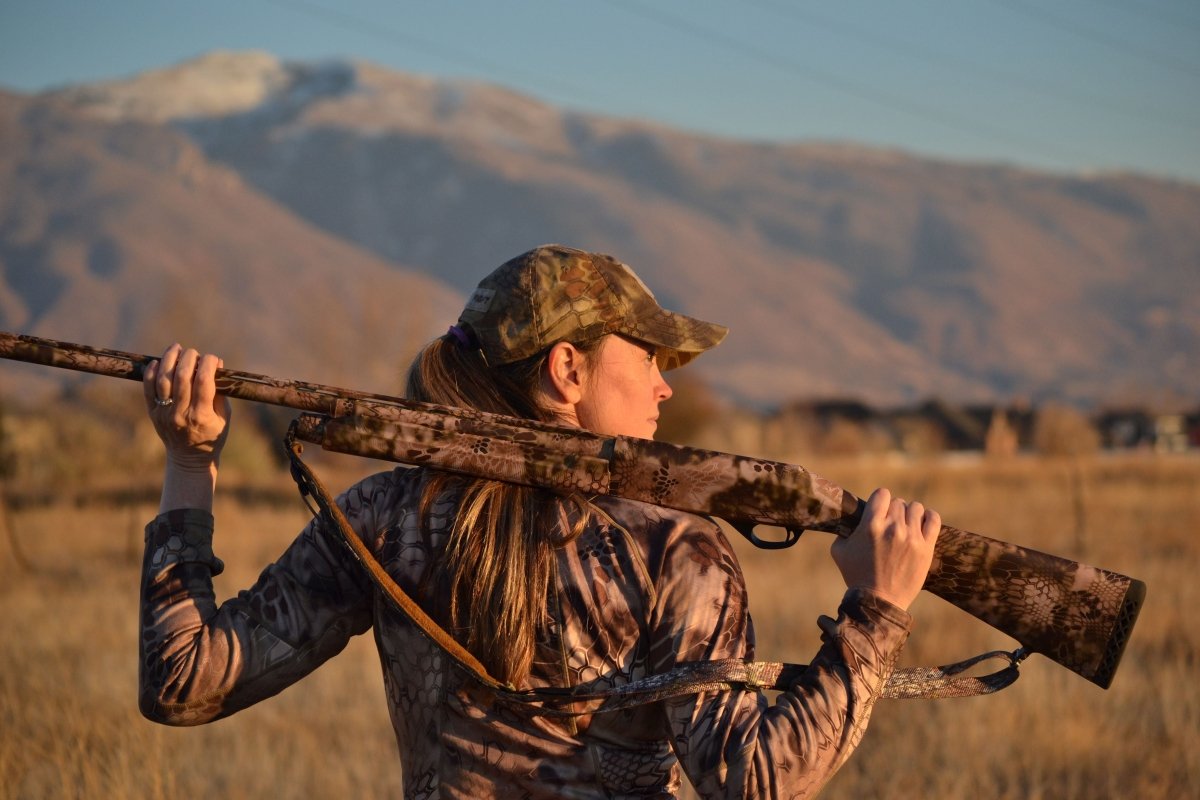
x: 498, y: 560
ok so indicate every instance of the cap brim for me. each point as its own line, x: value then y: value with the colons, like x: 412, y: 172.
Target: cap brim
x: 679, y: 338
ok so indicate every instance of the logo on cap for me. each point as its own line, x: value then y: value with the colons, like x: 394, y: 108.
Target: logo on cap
x: 481, y: 300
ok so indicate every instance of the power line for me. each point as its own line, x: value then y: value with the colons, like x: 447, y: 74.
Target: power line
x: 1068, y: 25
x: 1035, y: 85
x: 1172, y: 19
x: 811, y: 72
x: 457, y: 57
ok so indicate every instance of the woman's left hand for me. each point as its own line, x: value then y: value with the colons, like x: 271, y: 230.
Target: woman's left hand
x: 188, y: 415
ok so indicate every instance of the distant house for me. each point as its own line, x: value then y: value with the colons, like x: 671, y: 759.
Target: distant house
x: 935, y: 426
x: 1127, y: 429
x: 963, y: 429
x: 996, y: 429
x: 1170, y: 433
x: 828, y: 411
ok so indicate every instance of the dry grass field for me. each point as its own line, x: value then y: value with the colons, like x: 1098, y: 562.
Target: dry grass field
x: 69, y: 725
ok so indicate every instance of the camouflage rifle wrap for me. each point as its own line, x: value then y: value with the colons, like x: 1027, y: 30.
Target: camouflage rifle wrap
x: 1075, y: 614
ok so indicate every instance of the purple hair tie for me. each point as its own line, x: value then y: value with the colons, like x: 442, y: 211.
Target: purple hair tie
x: 458, y: 333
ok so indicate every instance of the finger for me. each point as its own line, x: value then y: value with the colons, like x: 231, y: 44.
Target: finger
x: 932, y: 524
x: 914, y: 514
x: 166, y: 372
x: 185, y: 371
x: 878, y: 503
x: 204, y: 386
x: 876, y: 510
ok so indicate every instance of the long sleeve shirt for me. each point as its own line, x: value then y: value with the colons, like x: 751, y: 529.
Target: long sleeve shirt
x: 641, y: 590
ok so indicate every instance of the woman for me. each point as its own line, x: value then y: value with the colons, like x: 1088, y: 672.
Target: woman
x: 545, y: 591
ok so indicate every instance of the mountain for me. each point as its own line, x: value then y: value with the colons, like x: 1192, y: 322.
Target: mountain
x: 843, y: 271
x: 124, y: 234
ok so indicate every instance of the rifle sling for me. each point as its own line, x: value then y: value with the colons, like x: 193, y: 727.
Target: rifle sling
x: 684, y: 679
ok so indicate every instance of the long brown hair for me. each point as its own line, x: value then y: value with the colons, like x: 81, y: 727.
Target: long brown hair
x: 498, y: 560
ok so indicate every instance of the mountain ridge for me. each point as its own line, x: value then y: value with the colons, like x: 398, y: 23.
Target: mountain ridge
x: 844, y: 271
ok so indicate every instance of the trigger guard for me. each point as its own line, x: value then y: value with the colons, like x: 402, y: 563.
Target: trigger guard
x: 746, y: 529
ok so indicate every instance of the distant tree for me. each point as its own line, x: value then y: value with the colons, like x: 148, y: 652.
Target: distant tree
x: 844, y: 438
x: 1001, y: 441
x: 791, y: 434
x: 920, y: 437
x: 1059, y: 430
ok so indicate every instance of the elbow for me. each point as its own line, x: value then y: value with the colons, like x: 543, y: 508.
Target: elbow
x: 155, y: 711
x: 160, y: 702
x: 176, y: 715
x: 173, y: 714
x: 170, y: 691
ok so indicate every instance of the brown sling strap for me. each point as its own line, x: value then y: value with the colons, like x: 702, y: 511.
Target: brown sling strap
x: 686, y: 678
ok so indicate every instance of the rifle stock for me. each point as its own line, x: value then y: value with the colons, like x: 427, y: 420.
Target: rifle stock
x: 1077, y: 615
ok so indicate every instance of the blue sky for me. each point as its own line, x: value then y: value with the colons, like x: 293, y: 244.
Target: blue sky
x: 1066, y: 85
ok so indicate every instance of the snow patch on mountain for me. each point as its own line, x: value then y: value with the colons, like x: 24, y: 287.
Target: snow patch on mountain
x: 218, y: 84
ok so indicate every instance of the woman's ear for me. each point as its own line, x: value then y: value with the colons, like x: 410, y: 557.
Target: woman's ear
x: 565, y: 377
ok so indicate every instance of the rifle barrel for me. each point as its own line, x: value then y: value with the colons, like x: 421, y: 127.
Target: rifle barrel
x: 313, y: 397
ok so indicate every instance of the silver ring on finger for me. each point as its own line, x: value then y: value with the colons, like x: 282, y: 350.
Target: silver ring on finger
x: 158, y: 401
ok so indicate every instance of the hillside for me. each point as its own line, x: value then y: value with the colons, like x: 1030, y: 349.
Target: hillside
x: 123, y: 234
x: 842, y: 271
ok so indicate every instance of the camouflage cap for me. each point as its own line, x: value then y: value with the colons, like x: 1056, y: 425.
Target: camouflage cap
x: 555, y: 293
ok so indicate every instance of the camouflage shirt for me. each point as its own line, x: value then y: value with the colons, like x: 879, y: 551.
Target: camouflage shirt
x: 642, y: 589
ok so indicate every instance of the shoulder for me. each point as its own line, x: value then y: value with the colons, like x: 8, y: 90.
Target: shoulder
x: 635, y: 514
x: 699, y: 605
x: 674, y: 542
x: 378, y: 500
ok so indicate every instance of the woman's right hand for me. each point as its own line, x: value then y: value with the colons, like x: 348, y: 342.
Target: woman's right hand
x: 890, y: 551
x: 181, y: 398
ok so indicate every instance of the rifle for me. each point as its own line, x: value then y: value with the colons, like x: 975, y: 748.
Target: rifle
x: 1077, y: 615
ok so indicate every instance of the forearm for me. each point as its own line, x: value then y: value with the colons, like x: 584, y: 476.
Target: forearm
x: 793, y: 747
x: 199, y: 661
x: 185, y: 487
x: 176, y: 652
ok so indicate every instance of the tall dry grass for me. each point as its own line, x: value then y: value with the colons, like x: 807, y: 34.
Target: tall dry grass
x: 69, y: 725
